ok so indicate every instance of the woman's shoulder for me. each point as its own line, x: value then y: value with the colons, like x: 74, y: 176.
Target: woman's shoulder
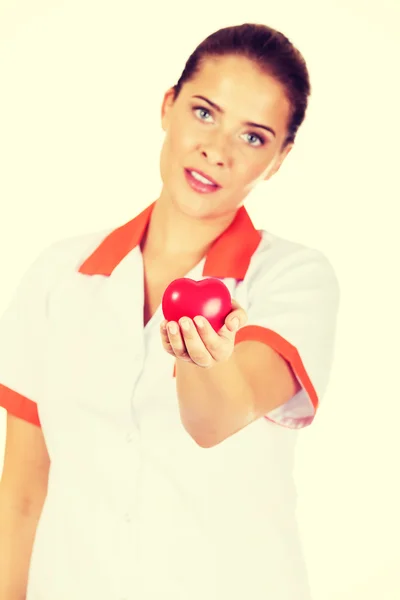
x: 64, y: 255
x: 73, y: 248
x: 277, y: 256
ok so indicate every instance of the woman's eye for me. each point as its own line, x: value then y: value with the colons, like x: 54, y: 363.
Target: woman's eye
x: 200, y: 110
x: 253, y: 136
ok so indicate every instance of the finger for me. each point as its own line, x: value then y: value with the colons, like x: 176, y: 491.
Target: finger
x: 164, y: 332
x: 165, y: 339
x: 233, y: 322
x: 236, y: 319
x: 235, y: 304
x: 176, y: 341
x: 194, y: 344
x: 219, y: 347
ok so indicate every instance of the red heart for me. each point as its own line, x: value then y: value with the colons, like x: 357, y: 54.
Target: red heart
x: 186, y: 297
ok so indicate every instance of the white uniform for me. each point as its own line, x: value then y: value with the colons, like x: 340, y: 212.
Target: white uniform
x: 136, y: 510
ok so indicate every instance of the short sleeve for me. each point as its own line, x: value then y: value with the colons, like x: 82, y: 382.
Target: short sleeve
x: 23, y: 333
x: 292, y: 307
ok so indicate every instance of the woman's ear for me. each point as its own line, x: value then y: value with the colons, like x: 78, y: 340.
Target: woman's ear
x: 278, y: 161
x: 167, y: 104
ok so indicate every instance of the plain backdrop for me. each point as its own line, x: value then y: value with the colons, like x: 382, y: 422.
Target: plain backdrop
x: 81, y: 90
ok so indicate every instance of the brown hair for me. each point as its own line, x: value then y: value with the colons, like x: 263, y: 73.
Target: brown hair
x: 271, y: 51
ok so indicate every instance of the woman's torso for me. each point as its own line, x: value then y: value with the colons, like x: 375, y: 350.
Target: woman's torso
x: 135, y: 508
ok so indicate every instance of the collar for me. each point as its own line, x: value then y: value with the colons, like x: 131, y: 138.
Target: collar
x: 229, y: 255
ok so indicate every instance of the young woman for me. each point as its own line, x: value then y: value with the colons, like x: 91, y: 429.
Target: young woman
x: 152, y: 460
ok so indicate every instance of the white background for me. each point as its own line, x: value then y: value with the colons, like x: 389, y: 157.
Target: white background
x: 81, y: 89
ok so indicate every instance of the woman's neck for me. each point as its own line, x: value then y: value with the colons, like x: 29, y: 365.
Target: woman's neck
x: 171, y: 233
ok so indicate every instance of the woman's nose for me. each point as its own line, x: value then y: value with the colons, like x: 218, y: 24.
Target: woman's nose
x: 216, y: 150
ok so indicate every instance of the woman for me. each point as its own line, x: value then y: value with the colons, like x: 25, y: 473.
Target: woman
x: 153, y: 460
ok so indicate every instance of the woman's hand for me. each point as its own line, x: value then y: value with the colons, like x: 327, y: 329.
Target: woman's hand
x: 197, y: 342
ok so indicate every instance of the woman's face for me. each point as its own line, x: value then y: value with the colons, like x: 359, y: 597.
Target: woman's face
x: 212, y: 135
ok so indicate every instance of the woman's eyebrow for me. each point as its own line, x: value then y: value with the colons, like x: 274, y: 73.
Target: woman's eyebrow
x: 221, y: 110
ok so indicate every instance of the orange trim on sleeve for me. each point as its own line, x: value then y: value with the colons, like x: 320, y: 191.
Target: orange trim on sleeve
x: 18, y: 405
x: 256, y: 333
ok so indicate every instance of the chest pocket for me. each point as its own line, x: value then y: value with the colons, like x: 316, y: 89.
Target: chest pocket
x: 93, y: 352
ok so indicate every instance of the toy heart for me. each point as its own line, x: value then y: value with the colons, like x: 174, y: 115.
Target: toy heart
x: 209, y: 298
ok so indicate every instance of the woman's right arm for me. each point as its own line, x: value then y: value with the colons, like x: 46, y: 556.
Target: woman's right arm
x: 23, y: 489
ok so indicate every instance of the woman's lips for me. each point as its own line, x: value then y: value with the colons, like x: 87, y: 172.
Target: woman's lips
x: 199, y: 186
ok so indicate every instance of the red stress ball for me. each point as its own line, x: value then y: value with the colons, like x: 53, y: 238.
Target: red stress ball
x: 209, y: 298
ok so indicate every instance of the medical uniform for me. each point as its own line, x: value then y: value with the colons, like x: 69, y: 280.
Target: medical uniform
x: 136, y: 510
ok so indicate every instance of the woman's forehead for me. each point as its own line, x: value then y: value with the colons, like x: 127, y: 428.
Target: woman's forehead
x: 236, y: 84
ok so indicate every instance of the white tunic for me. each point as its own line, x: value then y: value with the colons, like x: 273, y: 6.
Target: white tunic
x: 136, y: 510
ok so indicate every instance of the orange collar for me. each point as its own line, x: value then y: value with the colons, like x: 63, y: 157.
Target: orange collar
x: 229, y: 256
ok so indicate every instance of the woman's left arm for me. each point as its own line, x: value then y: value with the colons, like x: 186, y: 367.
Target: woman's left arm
x: 222, y: 387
